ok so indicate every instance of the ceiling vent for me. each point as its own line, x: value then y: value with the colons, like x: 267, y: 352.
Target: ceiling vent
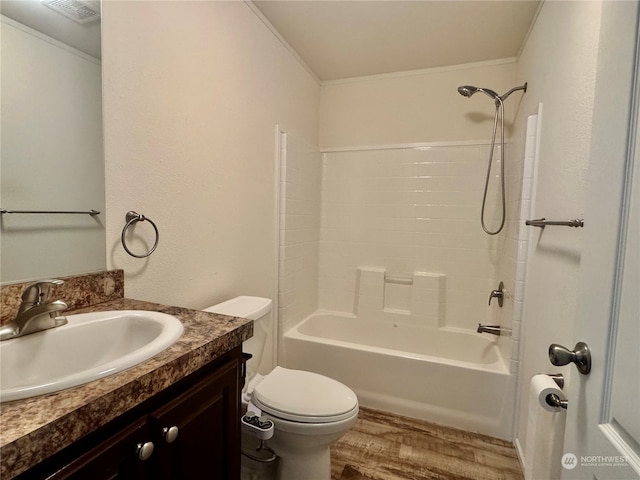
x: 80, y: 11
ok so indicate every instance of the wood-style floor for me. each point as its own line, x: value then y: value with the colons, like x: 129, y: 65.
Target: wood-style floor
x: 382, y: 446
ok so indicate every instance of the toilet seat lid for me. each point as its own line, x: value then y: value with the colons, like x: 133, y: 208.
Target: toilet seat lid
x: 304, y: 397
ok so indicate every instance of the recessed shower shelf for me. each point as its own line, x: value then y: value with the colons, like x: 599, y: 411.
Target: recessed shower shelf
x: 543, y: 222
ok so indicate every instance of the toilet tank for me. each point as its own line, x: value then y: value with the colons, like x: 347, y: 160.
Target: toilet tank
x: 257, y: 309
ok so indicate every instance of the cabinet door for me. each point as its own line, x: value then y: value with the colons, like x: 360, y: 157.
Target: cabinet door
x: 207, y: 445
x: 114, y: 459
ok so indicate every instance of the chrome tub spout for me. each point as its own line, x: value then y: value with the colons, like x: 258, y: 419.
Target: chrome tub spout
x: 494, y: 330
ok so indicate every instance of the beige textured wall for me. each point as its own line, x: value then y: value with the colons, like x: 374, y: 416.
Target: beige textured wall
x: 421, y: 106
x: 192, y: 94
x: 559, y: 62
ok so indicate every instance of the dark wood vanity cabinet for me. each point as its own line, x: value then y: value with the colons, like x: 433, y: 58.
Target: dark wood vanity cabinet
x: 194, y: 427
x: 109, y: 460
x: 205, y: 423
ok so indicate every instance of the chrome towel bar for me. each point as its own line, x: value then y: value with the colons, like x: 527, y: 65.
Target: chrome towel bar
x: 57, y: 212
x: 543, y: 222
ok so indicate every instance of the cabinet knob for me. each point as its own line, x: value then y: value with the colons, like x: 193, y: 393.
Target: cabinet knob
x: 144, y: 450
x: 170, y: 433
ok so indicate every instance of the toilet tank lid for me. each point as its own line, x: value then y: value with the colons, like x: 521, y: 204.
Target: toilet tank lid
x: 252, y: 308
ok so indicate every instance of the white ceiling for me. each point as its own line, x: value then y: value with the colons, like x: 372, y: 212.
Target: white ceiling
x: 351, y: 38
x: 33, y: 14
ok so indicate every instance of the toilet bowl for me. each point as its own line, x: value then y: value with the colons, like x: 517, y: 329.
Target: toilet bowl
x: 309, y: 411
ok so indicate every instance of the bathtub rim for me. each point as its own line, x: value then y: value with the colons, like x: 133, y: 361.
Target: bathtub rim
x: 499, y: 367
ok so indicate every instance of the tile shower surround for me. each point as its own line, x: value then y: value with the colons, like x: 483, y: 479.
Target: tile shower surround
x: 300, y: 178
x: 404, y: 210
x: 409, y: 210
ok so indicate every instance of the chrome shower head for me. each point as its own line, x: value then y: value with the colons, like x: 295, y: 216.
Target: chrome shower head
x: 468, y: 90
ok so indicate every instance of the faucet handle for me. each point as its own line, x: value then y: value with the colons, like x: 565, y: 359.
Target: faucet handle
x: 39, y: 292
x: 499, y: 294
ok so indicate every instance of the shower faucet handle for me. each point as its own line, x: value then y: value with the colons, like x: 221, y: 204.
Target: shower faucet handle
x: 499, y: 294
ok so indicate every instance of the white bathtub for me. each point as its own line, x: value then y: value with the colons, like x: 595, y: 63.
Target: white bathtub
x: 454, y: 378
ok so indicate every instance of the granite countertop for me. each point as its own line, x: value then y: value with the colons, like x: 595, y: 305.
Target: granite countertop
x: 35, y: 428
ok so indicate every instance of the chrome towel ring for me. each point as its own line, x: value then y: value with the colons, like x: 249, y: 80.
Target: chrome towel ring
x: 131, y: 218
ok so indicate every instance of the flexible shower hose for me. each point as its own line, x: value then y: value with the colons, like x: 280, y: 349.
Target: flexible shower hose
x: 500, y: 113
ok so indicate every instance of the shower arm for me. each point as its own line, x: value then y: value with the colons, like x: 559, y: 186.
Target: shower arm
x: 514, y: 89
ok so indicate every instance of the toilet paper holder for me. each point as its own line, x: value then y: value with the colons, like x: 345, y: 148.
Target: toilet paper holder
x: 558, y: 378
x: 555, y: 401
x: 552, y: 399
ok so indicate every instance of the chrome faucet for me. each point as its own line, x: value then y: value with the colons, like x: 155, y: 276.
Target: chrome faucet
x: 494, y: 330
x: 36, y: 312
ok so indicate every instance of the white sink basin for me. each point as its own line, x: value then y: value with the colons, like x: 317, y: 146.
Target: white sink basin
x: 90, y: 346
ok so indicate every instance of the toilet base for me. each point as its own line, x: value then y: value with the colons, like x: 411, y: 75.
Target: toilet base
x: 310, y: 466
x: 252, y: 469
x: 303, y: 450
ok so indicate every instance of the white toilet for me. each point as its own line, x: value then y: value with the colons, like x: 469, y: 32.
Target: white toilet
x: 309, y: 411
